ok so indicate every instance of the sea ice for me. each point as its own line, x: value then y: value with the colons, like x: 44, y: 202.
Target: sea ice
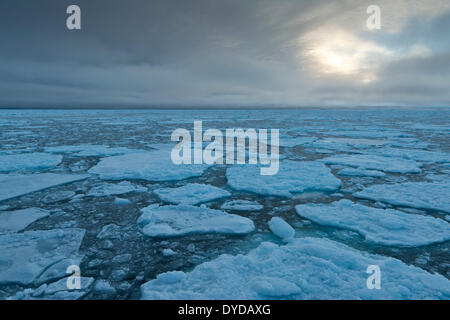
x: 374, y: 162
x: 419, y: 195
x: 306, y: 268
x: 383, y: 226
x: 108, y: 189
x: 14, y: 185
x: 24, y: 256
x: 292, y: 177
x: 17, y: 220
x: 170, y: 221
x: 192, y: 193
x: 151, y: 166
x: 242, y: 205
x: 89, y: 150
x: 281, y: 228
x: 28, y: 161
x: 357, y: 172
x: 412, y: 154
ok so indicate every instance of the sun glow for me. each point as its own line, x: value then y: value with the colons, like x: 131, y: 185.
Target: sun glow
x: 342, y: 53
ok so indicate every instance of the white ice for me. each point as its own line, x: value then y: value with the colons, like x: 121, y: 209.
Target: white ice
x: 17, y: 220
x: 382, y: 226
x: 108, y: 189
x: 306, y: 268
x: 242, y: 205
x: 292, y: 177
x: 192, y: 193
x: 28, y: 161
x: 374, y: 162
x: 281, y: 228
x: 24, y: 256
x: 151, y: 166
x: 357, y: 172
x: 170, y: 221
x: 420, y: 195
x: 14, y: 185
x: 89, y: 150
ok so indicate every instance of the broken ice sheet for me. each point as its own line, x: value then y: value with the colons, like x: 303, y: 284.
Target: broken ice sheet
x: 14, y: 185
x: 17, y: 220
x: 306, y: 268
x: 170, y: 221
x: 382, y: 226
x: 24, y: 256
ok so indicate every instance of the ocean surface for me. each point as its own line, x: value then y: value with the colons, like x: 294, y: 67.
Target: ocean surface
x: 96, y: 189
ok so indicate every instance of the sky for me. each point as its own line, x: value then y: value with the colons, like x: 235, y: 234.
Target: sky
x: 224, y: 53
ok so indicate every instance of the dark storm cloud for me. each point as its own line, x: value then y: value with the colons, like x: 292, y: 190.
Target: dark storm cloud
x: 219, y: 53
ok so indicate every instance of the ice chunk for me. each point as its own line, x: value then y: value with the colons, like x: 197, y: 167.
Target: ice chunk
x: 13, y: 221
x: 108, y: 189
x: 383, y: 226
x: 28, y: 161
x: 151, y: 166
x: 357, y: 172
x: 12, y: 185
x: 417, y: 155
x: 419, y: 195
x: 307, y: 268
x: 242, y: 205
x: 89, y: 150
x: 281, y: 228
x: 192, y: 193
x: 374, y: 162
x: 170, y: 221
x: 292, y: 177
x: 167, y: 252
x: 24, y: 256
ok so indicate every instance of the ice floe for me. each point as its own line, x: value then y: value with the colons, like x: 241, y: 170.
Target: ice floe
x: 412, y: 154
x: 14, y: 185
x: 151, y: 166
x: 292, y: 177
x: 374, y: 162
x: 281, y: 228
x: 192, y: 193
x: 170, y: 221
x: 419, y: 195
x: 17, y: 220
x: 108, y: 189
x: 28, y: 161
x: 89, y: 150
x: 306, y: 268
x: 357, y: 172
x: 242, y: 205
x: 24, y: 256
x: 383, y: 226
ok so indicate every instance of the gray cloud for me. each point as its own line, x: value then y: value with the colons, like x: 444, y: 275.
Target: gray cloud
x: 223, y: 53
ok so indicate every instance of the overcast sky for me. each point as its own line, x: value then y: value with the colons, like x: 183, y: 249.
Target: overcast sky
x: 133, y: 53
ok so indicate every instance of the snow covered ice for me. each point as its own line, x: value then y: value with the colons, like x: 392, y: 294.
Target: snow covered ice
x: 17, y: 220
x: 192, y: 193
x: 421, y: 195
x: 151, y: 166
x: 382, y: 226
x: 170, y: 221
x: 374, y: 162
x: 24, y: 256
x: 28, y: 162
x: 12, y: 185
x: 293, y: 177
x: 297, y: 271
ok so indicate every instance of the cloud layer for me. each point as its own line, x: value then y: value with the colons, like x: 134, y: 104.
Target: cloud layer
x: 201, y: 53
